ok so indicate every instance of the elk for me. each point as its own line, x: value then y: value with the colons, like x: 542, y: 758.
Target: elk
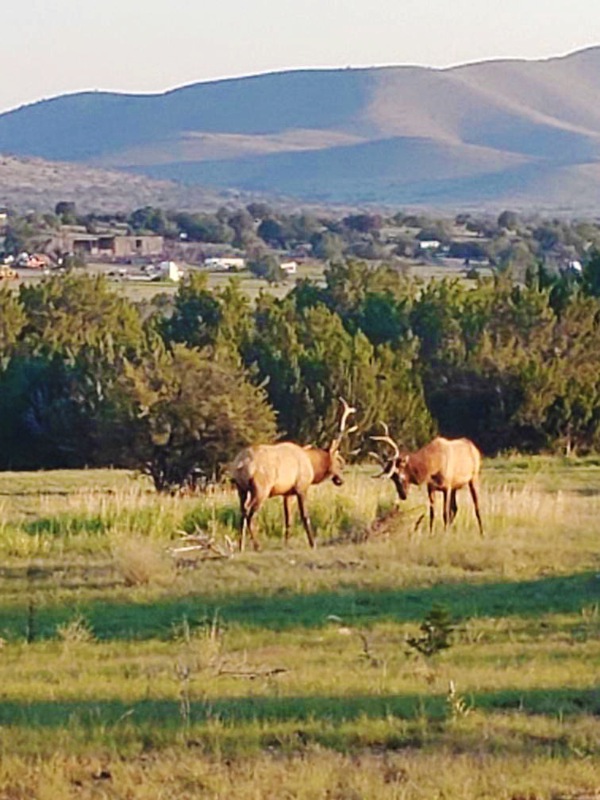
x: 285, y: 469
x: 444, y: 465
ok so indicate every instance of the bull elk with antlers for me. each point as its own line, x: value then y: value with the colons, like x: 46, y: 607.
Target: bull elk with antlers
x: 444, y: 465
x: 285, y: 470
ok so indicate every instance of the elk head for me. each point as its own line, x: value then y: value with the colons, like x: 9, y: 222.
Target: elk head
x: 395, y: 466
x: 336, y: 459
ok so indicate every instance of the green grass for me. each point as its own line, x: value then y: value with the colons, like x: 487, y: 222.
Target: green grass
x: 130, y: 671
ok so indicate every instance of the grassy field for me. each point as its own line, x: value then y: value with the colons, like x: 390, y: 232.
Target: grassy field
x: 129, y: 670
x: 138, y: 291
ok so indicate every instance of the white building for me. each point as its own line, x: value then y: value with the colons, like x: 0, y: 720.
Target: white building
x: 225, y: 263
x: 170, y: 271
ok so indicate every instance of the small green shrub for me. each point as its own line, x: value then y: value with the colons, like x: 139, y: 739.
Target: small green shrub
x: 436, y: 629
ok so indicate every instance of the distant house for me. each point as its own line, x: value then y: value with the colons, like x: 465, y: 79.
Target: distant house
x: 72, y: 239
x: 225, y: 263
x: 170, y: 271
x: 33, y: 260
x: 290, y: 267
x: 123, y: 246
x: 429, y: 244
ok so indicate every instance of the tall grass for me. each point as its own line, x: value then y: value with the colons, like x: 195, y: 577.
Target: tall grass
x: 128, y: 672
x: 524, y: 524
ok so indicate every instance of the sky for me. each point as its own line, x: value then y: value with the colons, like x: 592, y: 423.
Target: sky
x: 54, y: 47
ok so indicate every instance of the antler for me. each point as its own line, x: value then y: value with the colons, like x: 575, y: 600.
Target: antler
x: 381, y: 461
x: 346, y: 412
x: 387, y: 439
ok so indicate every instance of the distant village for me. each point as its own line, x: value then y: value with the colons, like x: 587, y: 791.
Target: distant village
x: 151, y: 244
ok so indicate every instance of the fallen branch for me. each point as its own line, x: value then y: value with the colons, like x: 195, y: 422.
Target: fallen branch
x: 204, y: 543
x: 252, y: 674
x: 380, y: 524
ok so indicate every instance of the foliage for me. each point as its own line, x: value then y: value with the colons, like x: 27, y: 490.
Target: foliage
x: 511, y: 360
x: 12, y: 320
x: 266, y: 265
x: 178, y: 410
x: 196, y: 315
x: 436, y: 632
x: 71, y: 313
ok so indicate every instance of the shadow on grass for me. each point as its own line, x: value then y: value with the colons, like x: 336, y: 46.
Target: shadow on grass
x: 332, y: 710
x: 125, y: 620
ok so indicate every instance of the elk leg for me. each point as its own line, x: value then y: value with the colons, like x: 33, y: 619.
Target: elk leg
x: 253, y: 509
x: 286, y: 516
x: 474, y: 489
x: 446, y: 499
x: 250, y: 504
x: 431, y: 495
x: 306, y: 521
x: 243, y: 521
x: 453, y: 506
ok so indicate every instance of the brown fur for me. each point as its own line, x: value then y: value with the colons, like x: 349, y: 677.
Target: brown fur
x: 444, y: 465
x: 285, y: 469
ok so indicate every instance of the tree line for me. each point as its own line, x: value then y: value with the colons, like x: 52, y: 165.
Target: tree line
x: 90, y: 378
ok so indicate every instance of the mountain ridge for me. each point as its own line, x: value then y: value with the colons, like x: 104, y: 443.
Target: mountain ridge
x: 389, y: 134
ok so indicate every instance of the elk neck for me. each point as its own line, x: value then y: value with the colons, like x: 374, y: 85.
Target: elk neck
x: 417, y: 468
x: 321, y: 463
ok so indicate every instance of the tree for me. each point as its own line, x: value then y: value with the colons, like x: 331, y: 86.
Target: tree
x: 326, y: 245
x: 272, y: 232
x: 363, y: 223
x: 150, y: 219
x: 18, y: 237
x: 196, y: 314
x: 242, y: 224
x: 67, y: 211
x: 12, y: 321
x: 179, y: 410
x: 590, y: 279
x: 73, y: 336
x: 66, y: 314
x: 203, y: 228
x: 259, y: 210
x: 508, y: 220
x: 266, y: 265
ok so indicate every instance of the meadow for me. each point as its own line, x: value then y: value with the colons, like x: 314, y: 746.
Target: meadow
x: 130, y: 668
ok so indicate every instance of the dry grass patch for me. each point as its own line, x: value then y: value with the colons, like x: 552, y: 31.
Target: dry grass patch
x: 142, y: 561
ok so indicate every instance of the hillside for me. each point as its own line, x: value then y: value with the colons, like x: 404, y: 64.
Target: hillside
x: 498, y: 132
x: 37, y: 184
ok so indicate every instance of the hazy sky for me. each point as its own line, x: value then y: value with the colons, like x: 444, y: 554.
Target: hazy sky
x: 50, y: 47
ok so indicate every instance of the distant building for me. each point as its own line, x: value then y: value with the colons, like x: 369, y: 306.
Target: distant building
x: 171, y: 271
x: 225, y: 263
x: 106, y: 244
x: 33, y: 260
x: 429, y: 244
x: 291, y: 267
